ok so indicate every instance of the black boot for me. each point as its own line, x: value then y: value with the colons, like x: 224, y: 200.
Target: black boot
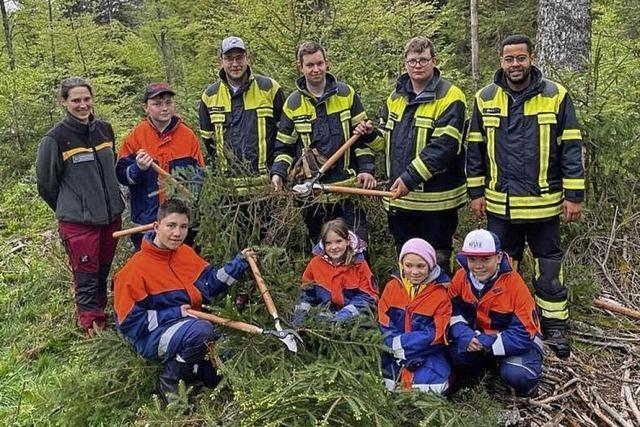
x: 167, y: 386
x: 556, y: 339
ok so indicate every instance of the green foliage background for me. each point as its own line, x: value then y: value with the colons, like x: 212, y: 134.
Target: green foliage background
x: 49, y: 374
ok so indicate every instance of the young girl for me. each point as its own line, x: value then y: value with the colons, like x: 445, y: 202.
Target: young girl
x: 337, y: 276
x: 413, y: 313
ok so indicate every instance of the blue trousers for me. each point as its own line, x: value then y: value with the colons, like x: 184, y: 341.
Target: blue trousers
x: 189, y: 363
x: 431, y: 375
x: 522, y: 372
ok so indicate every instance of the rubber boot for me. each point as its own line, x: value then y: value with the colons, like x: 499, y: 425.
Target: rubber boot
x: 167, y: 386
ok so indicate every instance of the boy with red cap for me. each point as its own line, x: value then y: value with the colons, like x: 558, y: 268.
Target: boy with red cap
x: 494, y: 316
x: 413, y: 313
x: 163, y: 138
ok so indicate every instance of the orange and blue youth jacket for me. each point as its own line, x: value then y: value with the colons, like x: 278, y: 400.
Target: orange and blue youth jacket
x: 175, y: 147
x: 502, y: 316
x: 414, y: 321
x: 154, y: 283
x: 348, y: 290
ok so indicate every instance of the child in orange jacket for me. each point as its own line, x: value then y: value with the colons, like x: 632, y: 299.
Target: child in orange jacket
x: 413, y: 313
x: 337, y: 276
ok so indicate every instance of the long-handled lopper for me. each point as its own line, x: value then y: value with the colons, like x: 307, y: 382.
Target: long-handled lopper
x: 281, y: 334
x: 306, y: 189
x: 289, y: 340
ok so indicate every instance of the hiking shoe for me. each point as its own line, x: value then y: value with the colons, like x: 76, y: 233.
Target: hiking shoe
x: 556, y: 339
x: 167, y: 389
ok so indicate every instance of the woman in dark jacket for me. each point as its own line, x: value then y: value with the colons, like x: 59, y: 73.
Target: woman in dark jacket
x: 76, y: 177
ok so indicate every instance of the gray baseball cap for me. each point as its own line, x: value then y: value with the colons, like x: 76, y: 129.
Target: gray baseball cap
x: 231, y: 43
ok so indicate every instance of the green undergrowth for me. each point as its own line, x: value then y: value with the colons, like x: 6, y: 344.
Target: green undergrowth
x: 51, y: 375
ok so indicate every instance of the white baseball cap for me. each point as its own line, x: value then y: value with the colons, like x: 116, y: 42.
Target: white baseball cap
x: 480, y: 242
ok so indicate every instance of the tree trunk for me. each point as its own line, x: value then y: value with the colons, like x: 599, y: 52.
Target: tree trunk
x: 7, y: 35
x: 51, y: 38
x: 475, y: 58
x: 564, y: 34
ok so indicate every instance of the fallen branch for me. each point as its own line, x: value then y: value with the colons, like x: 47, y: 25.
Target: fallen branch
x: 626, y: 392
x: 609, y: 409
x: 555, y: 420
x: 596, y: 410
x: 616, y: 308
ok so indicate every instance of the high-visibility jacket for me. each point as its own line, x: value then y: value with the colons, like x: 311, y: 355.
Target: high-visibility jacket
x: 524, y: 151
x: 324, y: 124
x: 414, y: 326
x: 239, y: 129
x: 348, y: 290
x: 154, y: 283
x: 174, y: 148
x: 502, y: 316
x: 423, y: 144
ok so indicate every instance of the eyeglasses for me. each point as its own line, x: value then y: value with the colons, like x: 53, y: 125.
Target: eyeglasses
x: 520, y: 59
x: 418, y: 61
x: 237, y: 58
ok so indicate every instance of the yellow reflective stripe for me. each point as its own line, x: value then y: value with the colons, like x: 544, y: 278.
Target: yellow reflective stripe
x: 424, y: 122
x: 306, y: 140
x: 262, y: 114
x: 421, y: 168
x: 421, y: 140
x: 206, y: 134
x: 284, y: 158
x: 364, y: 152
x: 432, y: 201
x: 358, y: 118
x: 448, y: 130
x: 475, y: 181
x: 544, y: 142
x: 535, y: 212
x: 387, y: 151
x: 475, y: 137
x: 570, y: 134
x: 220, y: 154
x: 491, y: 121
x: 536, y: 268
x: 496, y: 208
x: 547, y: 119
x: 553, y: 310
x: 491, y: 152
x: 74, y: 151
x: 496, y: 195
x: 573, y: 183
x: 304, y: 127
x: 378, y: 143
x: 533, y: 201
x: 287, y: 139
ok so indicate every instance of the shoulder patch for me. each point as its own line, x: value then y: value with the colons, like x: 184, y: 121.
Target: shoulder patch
x: 343, y: 89
x: 294, y: 100
x: 488, y: 92
x: 212, y: 89
x: 264, y: 83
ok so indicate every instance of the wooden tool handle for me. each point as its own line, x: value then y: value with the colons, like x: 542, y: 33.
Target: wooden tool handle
x: 235, y: 324
x: 356, y: 190
x: 336, y: 156
x: 617, y: 308
x: 139, y: 229
x: 271, y: 307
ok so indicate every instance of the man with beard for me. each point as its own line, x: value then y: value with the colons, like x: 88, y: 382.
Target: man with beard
x: 524, y: 169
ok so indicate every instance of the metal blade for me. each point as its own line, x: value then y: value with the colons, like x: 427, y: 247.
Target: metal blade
x: 288, y: 340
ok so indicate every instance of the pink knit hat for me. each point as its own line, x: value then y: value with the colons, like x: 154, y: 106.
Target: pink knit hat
x: 419, y: 247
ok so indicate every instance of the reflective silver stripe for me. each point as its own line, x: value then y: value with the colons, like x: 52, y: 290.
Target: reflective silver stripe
x: 538, y: 341
x: 129, y: 176
x: 457, y: 319
x: 195, y: 369
x: 498, y: 346
x: 152, y: 320
x: 389, y: 384
x: 396, y: 346
x: 517, y: 361
x: 180, y: 359
x: 165, y: 338
x: 304, y: 306
x: 225, y: 277
x: 435, y: 388
x: 352, y: 309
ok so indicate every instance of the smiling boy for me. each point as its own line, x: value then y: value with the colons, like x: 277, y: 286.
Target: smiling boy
x: 163, y: 138
x: 494, y: 316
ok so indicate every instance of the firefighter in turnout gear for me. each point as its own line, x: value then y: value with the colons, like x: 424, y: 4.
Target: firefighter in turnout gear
x: 524, y: 169
x: 423, y: 121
